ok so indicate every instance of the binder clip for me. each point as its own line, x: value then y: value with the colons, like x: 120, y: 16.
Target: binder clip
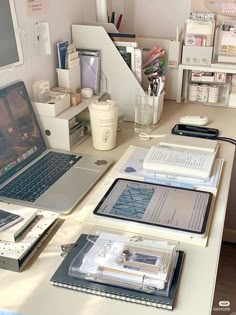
x: 65, y: 248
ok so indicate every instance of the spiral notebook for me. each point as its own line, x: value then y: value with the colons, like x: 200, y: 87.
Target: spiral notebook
x: 61, y: 278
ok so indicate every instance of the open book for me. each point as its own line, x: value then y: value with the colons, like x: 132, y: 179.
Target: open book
x: 185, y: 156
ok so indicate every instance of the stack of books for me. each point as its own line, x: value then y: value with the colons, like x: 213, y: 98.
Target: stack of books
x: 183, y: 156
x: 132, y: 269
x: 67, y: 55
x: 128, y: 47
x: 20, y: 241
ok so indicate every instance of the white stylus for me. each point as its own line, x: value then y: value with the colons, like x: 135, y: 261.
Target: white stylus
x: 145, y: 136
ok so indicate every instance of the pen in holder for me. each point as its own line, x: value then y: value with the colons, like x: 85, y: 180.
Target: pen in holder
x: 156, y: 90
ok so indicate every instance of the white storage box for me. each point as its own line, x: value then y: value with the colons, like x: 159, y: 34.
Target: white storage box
x: 52, y: 109
x: 197, y: 55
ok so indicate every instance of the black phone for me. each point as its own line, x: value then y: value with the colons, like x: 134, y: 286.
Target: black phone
x: 195, y: 131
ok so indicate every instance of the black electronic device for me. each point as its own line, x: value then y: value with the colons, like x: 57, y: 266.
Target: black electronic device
x: 195, y: 131
x: 180, y: 209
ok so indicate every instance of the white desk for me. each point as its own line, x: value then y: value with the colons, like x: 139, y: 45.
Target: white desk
x: 30, y: 292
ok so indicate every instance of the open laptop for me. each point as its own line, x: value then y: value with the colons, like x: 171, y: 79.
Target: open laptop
x: 30, y: 174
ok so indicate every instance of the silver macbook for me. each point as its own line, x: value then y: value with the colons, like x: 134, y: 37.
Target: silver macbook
x: 32, y: 175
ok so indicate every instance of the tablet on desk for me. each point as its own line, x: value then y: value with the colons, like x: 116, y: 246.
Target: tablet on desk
x: 179, y: 209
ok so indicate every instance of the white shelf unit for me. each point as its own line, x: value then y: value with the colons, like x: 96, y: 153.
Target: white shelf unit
x: 183, y: 74
x: 61, y: 132
x: 122, y: 84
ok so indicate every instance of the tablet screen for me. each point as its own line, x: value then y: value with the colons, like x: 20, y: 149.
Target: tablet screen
x: 164, y: 206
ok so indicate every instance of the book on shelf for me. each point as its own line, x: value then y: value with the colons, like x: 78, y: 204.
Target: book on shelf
x: 127, y: 53
x: 27, y: 215
x: 125, y: 44
x: 129, y: 37
x: 61, y: 53
x: 8, y: 219
x: 72, y: 56
x: 185, y: 159
x: 128, y: 48
x: 66, y: 276
x: 15, y: 255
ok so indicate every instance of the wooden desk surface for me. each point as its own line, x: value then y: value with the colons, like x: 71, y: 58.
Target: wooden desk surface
x: 30, y: 293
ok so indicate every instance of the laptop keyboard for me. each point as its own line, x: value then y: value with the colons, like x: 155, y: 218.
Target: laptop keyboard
x: 34, y: 181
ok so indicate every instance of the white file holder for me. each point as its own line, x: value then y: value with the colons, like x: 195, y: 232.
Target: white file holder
x: 122, y: 84
x: 69, y: 78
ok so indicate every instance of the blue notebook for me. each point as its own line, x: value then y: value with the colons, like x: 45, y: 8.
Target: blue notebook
x: 61, y: 52
x: 61, y: 278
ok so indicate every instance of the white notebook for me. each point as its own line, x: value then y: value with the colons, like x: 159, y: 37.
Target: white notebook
x: 184, y: 159
x: 189, y: 143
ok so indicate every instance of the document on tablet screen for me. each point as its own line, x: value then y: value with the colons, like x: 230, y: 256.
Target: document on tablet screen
x: 165, y: 206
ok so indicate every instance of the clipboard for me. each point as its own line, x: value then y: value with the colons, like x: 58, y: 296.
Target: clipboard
x: 180, y: 209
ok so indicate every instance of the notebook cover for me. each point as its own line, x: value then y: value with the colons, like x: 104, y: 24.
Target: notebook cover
x: 15, y: 255
x: 61, y: 278
x: 27, y: 214
x: 8, y: 219
x: 90, y: 66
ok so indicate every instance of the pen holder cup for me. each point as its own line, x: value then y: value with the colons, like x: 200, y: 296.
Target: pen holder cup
x: 69, y: 78
x: 158, y: 107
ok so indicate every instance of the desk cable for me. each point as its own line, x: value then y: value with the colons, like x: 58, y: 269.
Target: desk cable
x: 230, y: 140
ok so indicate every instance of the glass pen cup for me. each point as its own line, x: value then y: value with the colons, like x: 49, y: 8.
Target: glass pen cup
x: 144, y: 108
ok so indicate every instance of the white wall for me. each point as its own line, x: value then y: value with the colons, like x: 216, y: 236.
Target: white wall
x: 60, y: 16
x: 152, y: 18
x: 146, y: 18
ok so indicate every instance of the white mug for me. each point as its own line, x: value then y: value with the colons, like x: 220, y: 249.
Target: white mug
x: 103, y: 118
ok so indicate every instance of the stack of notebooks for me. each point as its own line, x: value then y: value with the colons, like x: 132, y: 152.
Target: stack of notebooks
x: 25, y: 231
x: 131, y: 269
x: 67, y: 55
x: 186, y: 156
x: 128, y: 47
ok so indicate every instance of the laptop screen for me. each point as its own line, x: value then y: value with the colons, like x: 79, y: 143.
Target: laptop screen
x: 20, y: 136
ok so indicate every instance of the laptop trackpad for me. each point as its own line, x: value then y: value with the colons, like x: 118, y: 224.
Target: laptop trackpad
x: 69, y: 189
x: 92, y: 163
